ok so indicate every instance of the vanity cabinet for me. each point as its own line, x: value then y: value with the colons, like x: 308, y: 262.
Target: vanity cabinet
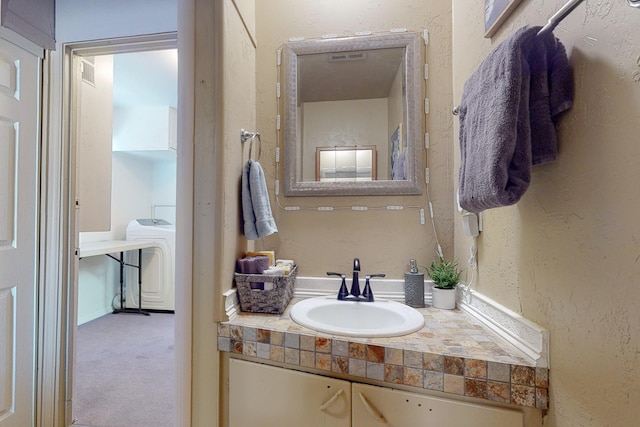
x: 273, y: 397
x: 381, y: 406
x: 261, y: 395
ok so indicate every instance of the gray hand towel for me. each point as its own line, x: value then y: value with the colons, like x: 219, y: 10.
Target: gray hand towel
x: 506, y: 118
x: 256, y: 209
x: 248, y: 217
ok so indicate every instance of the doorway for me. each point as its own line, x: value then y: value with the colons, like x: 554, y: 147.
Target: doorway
x: 140, y: 183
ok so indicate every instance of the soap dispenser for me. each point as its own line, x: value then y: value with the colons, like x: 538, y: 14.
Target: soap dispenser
x: 414, y: 286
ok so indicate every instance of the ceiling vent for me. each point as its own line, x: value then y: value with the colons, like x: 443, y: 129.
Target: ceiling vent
x: 352, y: 56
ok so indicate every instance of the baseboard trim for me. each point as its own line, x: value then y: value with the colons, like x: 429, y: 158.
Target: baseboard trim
x: 527, y: 336
x: 231, y: 302
x: 88, y: 317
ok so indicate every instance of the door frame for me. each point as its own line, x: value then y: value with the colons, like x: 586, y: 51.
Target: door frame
x: 59, y: 235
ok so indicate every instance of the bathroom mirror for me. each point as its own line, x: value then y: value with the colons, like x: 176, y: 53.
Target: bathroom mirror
x: 354, y: 92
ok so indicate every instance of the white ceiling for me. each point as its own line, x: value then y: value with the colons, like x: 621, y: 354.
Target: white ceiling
x: 330, y: 77
x: 145, y: 78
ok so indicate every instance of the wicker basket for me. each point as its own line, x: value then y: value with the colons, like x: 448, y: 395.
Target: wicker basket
x: 265, y: 301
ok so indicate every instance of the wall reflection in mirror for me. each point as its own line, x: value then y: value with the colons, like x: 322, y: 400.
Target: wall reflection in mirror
x: 346, y: 164
x: 352, y: 116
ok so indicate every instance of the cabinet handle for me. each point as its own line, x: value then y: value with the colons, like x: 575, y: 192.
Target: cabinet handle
x: 372, y: 410
x: 330, y: 401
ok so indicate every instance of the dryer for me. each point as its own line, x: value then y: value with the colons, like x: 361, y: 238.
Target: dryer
x: 158, y: 265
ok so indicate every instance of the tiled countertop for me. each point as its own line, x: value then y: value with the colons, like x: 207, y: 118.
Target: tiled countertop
x: 452, y: 353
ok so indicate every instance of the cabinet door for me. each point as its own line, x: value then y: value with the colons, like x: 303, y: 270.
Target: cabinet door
x: 148, y: 128
x: 378, y: 406
x: 266, y: 396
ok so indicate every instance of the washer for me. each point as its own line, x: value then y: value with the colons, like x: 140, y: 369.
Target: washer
x: 158, y: 265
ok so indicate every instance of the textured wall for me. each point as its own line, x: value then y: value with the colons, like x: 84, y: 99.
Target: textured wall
x: 566, y: 256
x: 223, y: 99
x: 239, y: 65
x: 383, y: 240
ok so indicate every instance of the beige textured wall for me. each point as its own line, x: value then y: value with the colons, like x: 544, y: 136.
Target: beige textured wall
x: 383, y: 240
x: 223, y: 102
x: 567, y: 255
x: 239, y: 113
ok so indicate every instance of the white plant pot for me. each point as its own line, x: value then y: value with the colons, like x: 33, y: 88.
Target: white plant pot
x: 444, y: 298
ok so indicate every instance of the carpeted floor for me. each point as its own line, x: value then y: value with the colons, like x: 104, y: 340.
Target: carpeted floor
x: 124, y: 371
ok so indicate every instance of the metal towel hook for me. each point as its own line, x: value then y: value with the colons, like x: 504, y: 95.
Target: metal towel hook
x: 246, y: 135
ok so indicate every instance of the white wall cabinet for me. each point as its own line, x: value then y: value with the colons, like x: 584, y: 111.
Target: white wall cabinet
x: 270, y: 396
x: 150, y: 128
x: 266, y: 396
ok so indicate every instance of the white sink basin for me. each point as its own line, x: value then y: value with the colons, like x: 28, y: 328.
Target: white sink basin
x: 355, y: 318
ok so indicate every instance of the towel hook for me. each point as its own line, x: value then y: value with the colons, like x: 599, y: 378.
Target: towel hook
x: 246, y: 135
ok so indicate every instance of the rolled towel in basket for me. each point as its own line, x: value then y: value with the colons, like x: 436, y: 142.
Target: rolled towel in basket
x: 270, y: 254
x: 275, y: 271
x: 285, y: 262
x: 246, y: 265
x: 262, y: 263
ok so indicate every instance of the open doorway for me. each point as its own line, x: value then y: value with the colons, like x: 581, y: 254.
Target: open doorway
x: 123, y: 130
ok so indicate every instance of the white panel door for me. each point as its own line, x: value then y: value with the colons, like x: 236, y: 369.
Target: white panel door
x: 266, y: 396
x: 378, y: 406
x: 19, y: 141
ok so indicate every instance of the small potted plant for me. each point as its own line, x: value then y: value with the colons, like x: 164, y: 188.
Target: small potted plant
x: 445, y: 276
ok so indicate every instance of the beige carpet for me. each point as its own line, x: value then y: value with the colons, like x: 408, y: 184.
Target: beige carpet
x: 124, y: 371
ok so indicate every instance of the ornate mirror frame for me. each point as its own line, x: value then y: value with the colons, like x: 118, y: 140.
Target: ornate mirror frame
x: 413, y: 128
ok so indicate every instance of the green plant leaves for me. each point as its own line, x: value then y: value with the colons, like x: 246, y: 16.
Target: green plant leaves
x: 445, y: 274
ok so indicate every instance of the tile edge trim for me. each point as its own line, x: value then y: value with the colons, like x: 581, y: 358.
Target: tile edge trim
x: 525, y: 335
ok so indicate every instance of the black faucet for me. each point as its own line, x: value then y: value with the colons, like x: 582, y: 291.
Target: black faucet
x: 354, y: 294
x: 355, y: 284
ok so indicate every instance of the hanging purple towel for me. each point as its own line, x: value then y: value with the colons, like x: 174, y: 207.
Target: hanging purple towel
x: 506, y: 118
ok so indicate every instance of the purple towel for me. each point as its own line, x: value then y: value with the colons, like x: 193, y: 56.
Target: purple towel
x: 262, y: 263
x: 247, y: 265
x: 551, y: 93
x: 506, y: 118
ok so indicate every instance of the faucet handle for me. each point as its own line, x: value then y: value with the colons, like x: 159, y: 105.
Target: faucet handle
x: 343, y: 293
x: 367, y: 293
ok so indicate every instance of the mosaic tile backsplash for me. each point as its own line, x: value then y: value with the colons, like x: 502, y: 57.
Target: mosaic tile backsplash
x: 452, y: 353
